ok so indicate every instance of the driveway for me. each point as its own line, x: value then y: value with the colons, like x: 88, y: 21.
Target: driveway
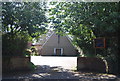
x: 53, y: 61
x: 57, y: 69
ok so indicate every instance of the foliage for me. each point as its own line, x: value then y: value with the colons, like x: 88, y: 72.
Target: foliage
x: 27, y: 53
x: 13, y: 47
x: 23, y: 17
x: 20, y: 23
x: 34, y: 51
x: 86, y: 21
x: 32, y: 66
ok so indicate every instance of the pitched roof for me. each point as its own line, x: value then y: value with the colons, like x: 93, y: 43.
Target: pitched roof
x: 45, y: 38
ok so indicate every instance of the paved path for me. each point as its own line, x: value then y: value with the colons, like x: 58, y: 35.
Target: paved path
x: 58, y: 68
x: 64, y: 62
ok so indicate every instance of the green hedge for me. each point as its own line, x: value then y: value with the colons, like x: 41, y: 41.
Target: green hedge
x: 13, y: 45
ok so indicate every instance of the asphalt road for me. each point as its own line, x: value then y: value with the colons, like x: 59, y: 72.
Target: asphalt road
x: 53, y: 61
x: 57, y: 69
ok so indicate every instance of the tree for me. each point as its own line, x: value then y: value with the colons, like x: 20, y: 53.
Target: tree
x: 23, y: 17
x: 86, y: 21
x: 21, y: 21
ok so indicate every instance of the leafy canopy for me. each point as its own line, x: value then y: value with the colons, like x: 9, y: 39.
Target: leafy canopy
x: 85, y: 21
x: 24, y: 17
x: 20, y: 23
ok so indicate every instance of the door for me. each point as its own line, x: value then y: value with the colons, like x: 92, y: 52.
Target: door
x: 58, y: 51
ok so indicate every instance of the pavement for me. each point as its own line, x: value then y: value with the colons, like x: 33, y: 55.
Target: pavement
x: 57, y: 69
x: 53, y: 61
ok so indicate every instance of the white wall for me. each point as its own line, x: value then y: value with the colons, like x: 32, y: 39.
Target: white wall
x: 48, y: 47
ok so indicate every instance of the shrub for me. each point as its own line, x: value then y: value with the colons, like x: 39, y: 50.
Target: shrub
x: 13, y: 45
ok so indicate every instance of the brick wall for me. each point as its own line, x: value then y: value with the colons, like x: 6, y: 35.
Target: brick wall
x: 91, y: 64
x: 15, y: 63
x: 20, y: 63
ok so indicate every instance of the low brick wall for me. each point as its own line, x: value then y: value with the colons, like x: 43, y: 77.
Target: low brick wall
x: 18, y: 63
x: 15, y: 63
x: 91, y: 64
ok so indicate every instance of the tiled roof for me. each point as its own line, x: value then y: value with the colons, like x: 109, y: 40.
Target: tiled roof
x: 43, y: 38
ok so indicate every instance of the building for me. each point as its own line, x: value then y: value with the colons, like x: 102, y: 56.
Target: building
x: 58, y: 46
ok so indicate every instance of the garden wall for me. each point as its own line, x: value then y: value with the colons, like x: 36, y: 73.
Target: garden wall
x: 91, y: 64
x: 15, y: 63
x: 20, y: 63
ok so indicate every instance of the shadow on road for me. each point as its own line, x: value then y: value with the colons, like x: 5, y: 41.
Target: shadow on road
x: 56, y: 73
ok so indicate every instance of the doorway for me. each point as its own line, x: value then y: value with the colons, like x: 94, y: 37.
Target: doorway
x: 58, y: 51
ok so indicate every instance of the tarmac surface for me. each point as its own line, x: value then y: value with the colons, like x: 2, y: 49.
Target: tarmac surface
x: 57, y: 69
x: 53, y: 61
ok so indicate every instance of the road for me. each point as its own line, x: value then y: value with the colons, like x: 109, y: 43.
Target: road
x: 52, y: 61
x: 57, y: 68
